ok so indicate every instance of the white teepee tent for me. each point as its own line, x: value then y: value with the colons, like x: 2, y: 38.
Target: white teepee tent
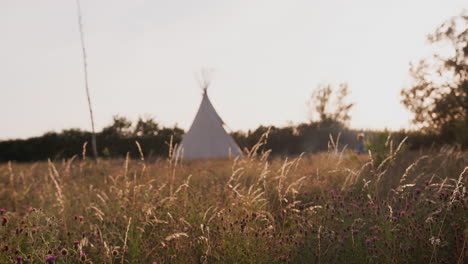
x: 207, y: 137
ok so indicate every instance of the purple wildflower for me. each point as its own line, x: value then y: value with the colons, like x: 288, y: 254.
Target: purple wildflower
x: 50, y: 259
x: 2, y: 211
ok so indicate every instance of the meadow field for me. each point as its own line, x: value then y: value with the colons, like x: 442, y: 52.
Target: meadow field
x: 337, y: 207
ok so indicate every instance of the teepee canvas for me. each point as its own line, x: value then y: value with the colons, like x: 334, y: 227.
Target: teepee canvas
x: 207, y: 137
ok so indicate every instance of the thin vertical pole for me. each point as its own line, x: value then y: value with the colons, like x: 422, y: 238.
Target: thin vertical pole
x: 85, y: 67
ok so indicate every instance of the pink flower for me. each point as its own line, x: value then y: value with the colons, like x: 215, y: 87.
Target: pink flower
x: 50, y: 259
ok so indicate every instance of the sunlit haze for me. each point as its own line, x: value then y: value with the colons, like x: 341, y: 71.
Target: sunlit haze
x: 268, y: 57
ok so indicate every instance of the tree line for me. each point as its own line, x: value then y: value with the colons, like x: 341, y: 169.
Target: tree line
x: 118, y: 139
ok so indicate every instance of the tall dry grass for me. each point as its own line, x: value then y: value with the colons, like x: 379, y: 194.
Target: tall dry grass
x: 326, y: 208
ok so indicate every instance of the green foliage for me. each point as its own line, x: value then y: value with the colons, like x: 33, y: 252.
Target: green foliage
x: 286, y: 141
x: 294, y: 140
x: 106, y: 153
x: 438, y: 96
x: 114, y: 141
x: 119, y: 128
x: 146, y: 127
x: 383, y: 144
x: 329, y: 105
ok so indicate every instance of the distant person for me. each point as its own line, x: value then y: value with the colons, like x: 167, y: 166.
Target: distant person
x: 360, y: 140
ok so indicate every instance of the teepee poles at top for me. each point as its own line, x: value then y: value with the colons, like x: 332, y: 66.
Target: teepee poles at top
x: 85, y: 67
x: 204, y: 78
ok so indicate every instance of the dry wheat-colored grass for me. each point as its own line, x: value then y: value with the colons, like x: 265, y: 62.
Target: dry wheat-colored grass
x: 325, y: 208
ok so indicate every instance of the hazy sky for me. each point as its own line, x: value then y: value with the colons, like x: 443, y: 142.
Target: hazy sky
x: 269, y: 56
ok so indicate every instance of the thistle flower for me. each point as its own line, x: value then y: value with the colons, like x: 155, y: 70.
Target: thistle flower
x: 2, y: 211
